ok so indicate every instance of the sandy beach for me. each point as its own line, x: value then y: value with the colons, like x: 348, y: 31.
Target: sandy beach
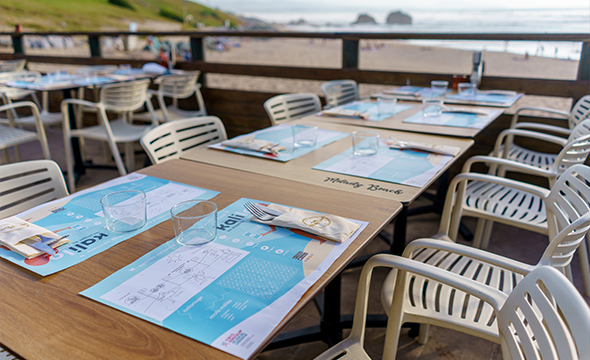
x: 374, y: 55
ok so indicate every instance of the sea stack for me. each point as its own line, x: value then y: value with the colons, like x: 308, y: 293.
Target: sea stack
x: 399, y: 18
x: 364, y: 19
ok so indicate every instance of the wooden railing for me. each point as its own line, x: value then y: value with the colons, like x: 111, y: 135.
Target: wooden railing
x: 247, y: 110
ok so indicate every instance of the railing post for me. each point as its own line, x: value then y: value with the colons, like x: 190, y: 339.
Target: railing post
x: 94, y: 43
x: 17, y: 43
x: 198, y: 54
x: 350, y: 53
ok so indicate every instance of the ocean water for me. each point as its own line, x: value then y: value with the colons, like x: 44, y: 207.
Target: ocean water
x: 456, y: 21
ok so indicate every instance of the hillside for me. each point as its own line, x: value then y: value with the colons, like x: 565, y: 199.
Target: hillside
x: 96, y: 15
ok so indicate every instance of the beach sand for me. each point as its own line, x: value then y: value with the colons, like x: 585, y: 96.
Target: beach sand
x: 374, y: 55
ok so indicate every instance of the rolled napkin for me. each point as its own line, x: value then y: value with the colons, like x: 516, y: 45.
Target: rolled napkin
x: 326, y: 226
x: 497, y: 92
x: 400, y: 92
x: 250, y: 143
x: 28, y: 239
x: 345, y: 113
x: 432, y: 148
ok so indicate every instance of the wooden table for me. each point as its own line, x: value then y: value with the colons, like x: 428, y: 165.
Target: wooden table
x: 45, y: 318
x: 396, y: 122
x: 300, y: 169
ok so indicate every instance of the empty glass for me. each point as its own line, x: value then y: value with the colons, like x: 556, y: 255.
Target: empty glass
x: 432, y: 107
x: 365, y: 143
x: 304, y: 135
x: 439, y: 87
x: 195, y: 222
x: 124, y: 210
x: 386, y: 105
x: 466, y: 89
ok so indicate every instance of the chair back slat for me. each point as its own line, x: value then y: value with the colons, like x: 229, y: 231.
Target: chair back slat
x: 544, y: 317
x: 579, y: 112
x: 574, y: 152
x: 27, y: 184
x: 169, y: 140
x: 291, y: 106
x: 338, y: 92
x: 178, y: 86
x: 124, y: 96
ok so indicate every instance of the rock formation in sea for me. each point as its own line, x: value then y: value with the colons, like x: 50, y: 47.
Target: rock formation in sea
x: 298, y: 22
x: 364, y: 19
x: 399, y: 18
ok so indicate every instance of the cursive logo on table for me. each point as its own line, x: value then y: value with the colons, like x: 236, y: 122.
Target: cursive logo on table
x: 368, y: 187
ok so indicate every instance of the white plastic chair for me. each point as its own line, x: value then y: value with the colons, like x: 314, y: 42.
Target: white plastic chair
x: 579, y: 112
x: 119, y: 97
x: 176, y: 86
x: 338, y: 92
x: 507, y: 149
x: 287, y: 107
x: 12, y: 65
x: 11, y: 136
x: 28, y: 184
x: 9, y: 94
x: 169, y: 140
x: 544, y: 317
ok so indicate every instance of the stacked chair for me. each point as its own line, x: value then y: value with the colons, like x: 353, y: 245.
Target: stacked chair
x: 339, y: 92
x: 282, y: 108
x: 120, y: 98
x: 176, y: 86
x: 12, y: 65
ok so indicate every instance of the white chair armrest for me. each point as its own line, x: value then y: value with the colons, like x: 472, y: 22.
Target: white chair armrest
x: 537, y: 108
x: 508, y: 164
x: 506, y: 138
x: 543, y: 127
x: 532, y: 189
x: 469, y: 251
x: 79, y: 102
x: 492, y: 296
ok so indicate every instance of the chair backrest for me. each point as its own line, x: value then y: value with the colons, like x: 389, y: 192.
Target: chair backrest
x: 291, y: 106
x: 28, y: 184
x: 11, y: 93
x: 178, y: 86
x: 338, y: 92
x: 96, y: 69
x: 19, y: 75
x: 574, y: 152
x: 12, y: 65
x: 545, y: 317
x: 579, y: 112
x: 569, y: 199
x: 124, y: 96
x: 169, y: 140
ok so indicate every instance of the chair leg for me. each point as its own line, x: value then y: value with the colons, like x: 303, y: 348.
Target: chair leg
x: 17, y: 152
x: 70, y: 164
x: 487, y: 234
x: 479, y: 230
x: 423, y: 336
x: 129, y: 156
x: 6, y: 157
x: 585, y: 264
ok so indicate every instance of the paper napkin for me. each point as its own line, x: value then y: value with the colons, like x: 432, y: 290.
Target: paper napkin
x: 345, y: 113
x: 327, y: 226
x: 433, y: 148
x: 400, y: 92
x: 250, y: 143
x: 28, y: 239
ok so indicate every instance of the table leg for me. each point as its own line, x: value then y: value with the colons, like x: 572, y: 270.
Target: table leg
x: 79, y: 168
x: 330, y: 322
x: 398, y: 242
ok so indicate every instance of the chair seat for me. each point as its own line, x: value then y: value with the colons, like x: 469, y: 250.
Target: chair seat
x: 13, y: 136
x: 506, y: 205
x: 174, y: 113
x: 122, y: 131
x: 529, y: 157
x: 46, y: 118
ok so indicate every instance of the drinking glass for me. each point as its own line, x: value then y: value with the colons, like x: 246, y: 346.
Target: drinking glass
x: 304, y: 135
x: 195, y: 222
x: 365, y: 143
x: 439, y: 87
x: 432, y: 107
x: 124, y: 211
x: 386, y: 105
x: 466, y: 89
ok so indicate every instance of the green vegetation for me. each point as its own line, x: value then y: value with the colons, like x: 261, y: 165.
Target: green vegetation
x: 122, y: 3
x: 101, y: 15
x: 171, y: 14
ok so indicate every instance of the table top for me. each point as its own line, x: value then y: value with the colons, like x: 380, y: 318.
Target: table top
x: 45, y: 318
x: 396, y: 122
x: 300, y: 169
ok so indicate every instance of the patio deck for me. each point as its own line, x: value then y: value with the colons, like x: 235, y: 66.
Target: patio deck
x: 443, y: 343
